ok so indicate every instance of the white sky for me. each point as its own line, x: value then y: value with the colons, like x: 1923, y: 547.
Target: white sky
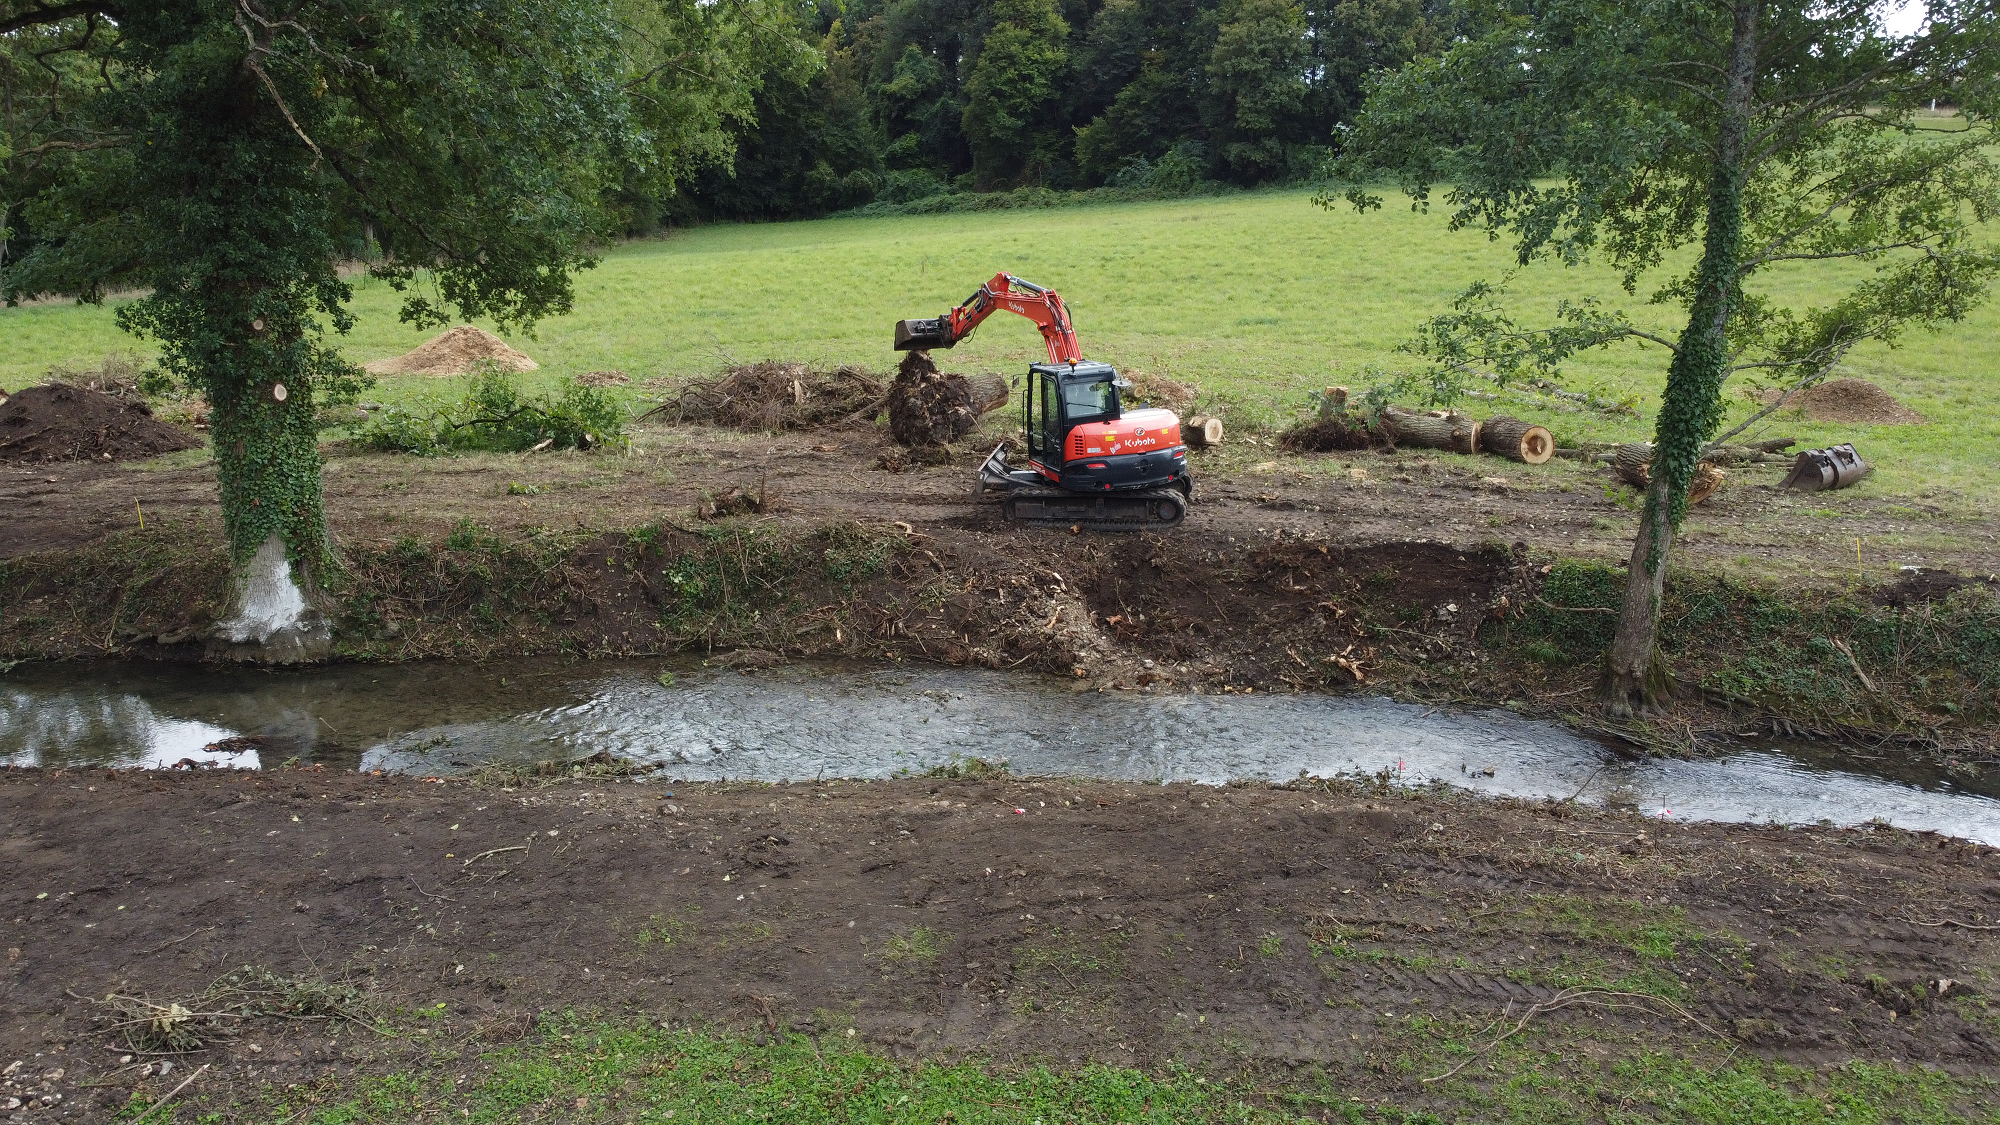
x: 1906, y: 19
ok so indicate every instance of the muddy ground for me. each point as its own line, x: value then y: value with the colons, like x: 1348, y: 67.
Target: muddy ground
x: 1244, y: 930
x: 1328, y: 572
x: 1244, y: 491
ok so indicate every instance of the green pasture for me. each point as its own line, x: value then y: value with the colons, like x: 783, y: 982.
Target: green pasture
x: 1255, y: 297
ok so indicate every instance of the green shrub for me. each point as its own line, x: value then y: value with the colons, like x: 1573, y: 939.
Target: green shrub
x: 497, y: 415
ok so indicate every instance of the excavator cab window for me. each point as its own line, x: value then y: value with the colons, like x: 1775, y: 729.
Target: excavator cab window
x: 1043, y: 420
x: 1085, y: 401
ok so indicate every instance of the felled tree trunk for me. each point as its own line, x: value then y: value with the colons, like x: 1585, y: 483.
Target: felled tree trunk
x: 1633, y: 464
x: 988, y: 392
x: 1516, y: 440
x: 1455, y: 432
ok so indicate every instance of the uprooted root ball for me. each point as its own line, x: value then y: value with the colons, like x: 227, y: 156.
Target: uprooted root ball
x: 1329, y: 435
x: 928, y: 408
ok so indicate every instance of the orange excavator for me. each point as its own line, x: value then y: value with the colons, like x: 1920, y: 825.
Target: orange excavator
x: 1090, y: 461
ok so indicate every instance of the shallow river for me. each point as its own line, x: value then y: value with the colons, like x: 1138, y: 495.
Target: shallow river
x: 803, y: 721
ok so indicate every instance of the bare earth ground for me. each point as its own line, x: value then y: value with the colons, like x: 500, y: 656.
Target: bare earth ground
x: 1243, y: 492
x: 1246, y: 930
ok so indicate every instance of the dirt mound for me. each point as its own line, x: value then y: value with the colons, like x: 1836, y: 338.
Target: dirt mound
x: 454, y: 352
x: 1852, y: 400
x: 604, y: 378
x: 772, y: 396
x: 58, y: 422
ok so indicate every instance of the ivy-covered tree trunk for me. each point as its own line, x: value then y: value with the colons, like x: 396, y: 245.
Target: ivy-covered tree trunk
x: 1636, y: 679
x: 236, y: 305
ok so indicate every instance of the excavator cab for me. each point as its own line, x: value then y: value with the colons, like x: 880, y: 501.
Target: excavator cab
x: 1081, y: 438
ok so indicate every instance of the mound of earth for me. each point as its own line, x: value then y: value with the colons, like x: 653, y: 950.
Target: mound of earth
x: 772, y: 396
x: 1854, y: 400
x: 604, y: 378
x: 454, y: 352
x: 58, y: 422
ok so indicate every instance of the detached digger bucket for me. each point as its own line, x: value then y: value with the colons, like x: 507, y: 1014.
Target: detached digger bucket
x: 922, y: 335
x: 1817, y: 470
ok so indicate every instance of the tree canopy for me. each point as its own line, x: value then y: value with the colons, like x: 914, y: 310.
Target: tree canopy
x: 1771, y: 135
x: 225, y: 156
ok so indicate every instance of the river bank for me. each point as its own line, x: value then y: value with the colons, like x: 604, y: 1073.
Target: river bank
x: 1331, y: 943
x: 1416, y: 577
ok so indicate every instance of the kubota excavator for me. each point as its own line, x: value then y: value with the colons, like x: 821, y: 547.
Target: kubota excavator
x: 1090, y: 461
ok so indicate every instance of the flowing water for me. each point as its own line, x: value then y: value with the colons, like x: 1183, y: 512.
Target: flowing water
x: 810, y: 721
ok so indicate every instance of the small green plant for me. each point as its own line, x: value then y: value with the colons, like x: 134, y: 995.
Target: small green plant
x: 666, y: 679
x: 514, y: 488
x: 668, y: 930
x: 496, y: 415
x: 920, y: 945
x: 1270, y: 944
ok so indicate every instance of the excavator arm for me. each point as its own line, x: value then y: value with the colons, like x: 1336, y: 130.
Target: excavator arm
x: 1005, y: 291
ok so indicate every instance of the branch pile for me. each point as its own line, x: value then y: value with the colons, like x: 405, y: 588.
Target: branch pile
x: 771, y: 396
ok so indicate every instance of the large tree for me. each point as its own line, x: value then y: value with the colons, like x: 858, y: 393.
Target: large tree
x: 225, y: 156
x: 1769, y: 137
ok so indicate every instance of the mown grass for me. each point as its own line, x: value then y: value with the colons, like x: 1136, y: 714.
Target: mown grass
x: 1257, y: 297
x: 597, y: 1071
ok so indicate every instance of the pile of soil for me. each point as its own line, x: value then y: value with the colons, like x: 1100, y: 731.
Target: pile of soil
x: 1330, y: 435
x: 772, y: 396
x: 929, y: 408
x: 1853, y: 400
x: 604, y: 378
x: 58, y: 422
x: 454, y: 352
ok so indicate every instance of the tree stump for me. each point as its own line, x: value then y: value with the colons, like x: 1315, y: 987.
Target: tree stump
x: 1516, y: 440
x: 1333, y: 403
x: 1201, y: 431
x: 1458, y: 433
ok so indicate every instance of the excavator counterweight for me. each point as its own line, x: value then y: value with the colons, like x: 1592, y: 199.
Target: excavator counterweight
x: 1091, y: 462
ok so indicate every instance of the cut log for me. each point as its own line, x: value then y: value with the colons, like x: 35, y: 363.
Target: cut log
x: 1458, y: 433
x: 1633, y: 464
x: 1517, y: 440
x: 1201, y: 431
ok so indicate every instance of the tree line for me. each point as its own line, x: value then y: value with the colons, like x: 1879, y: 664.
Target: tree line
x: 905, y: 99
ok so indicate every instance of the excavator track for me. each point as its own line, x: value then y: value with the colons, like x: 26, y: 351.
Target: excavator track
x: 1153, y: 509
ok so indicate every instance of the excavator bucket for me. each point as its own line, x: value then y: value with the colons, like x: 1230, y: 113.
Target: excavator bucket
x: 922, y: 335
x: 1836, y: 466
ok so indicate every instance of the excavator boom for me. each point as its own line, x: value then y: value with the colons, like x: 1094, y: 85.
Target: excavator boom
x: 1005, y: 291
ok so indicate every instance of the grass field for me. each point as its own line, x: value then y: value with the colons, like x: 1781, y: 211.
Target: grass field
x: 1257, y: 298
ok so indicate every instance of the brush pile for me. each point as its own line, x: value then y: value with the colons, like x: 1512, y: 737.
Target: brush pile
x: 929, y: 408
x: 771, y: 396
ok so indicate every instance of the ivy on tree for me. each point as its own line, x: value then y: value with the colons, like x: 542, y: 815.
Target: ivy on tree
x: 1774, y: 136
